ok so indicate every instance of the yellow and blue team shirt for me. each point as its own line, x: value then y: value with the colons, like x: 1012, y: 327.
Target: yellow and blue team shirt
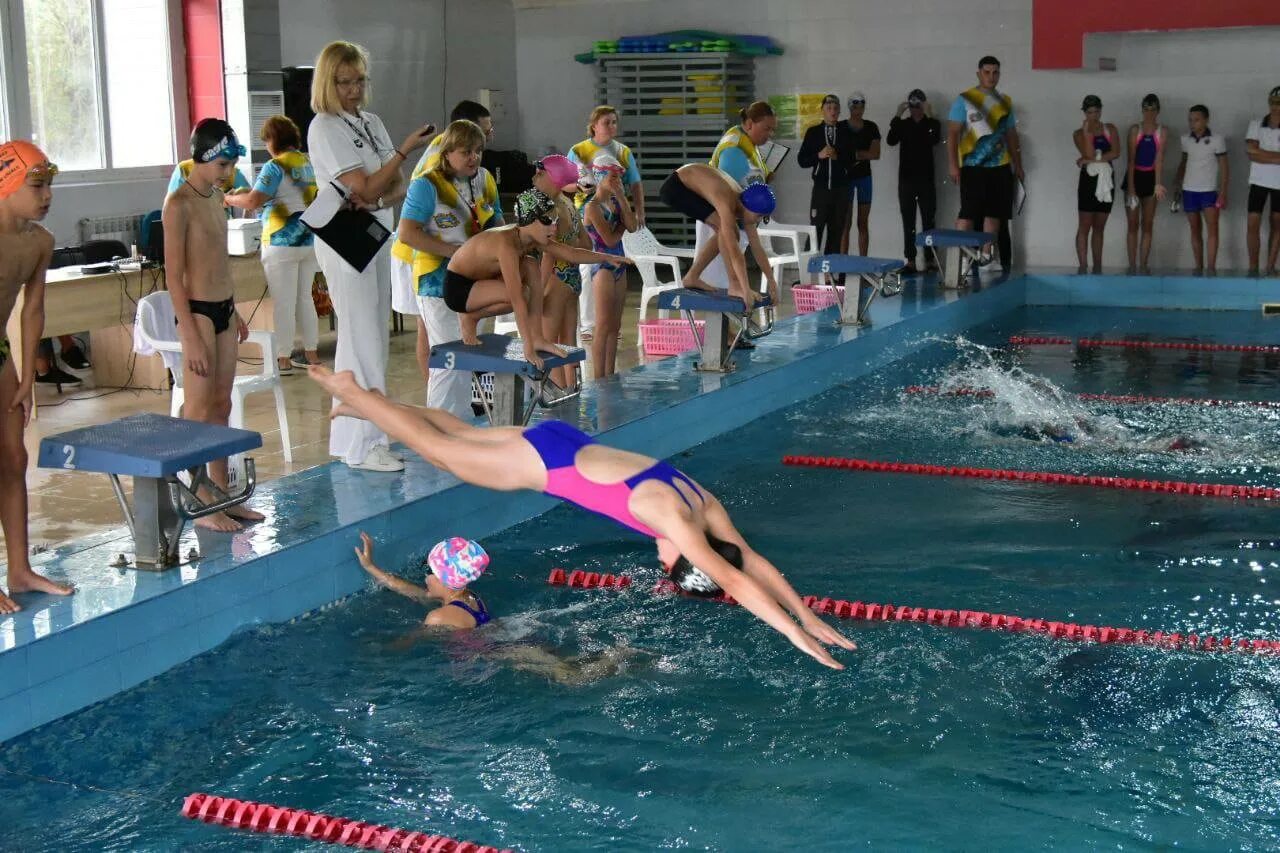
x: 987, y: 118
x: 445, y: 209
x: 584, y: 153
x: 290, y: 182
x: 737, y: 157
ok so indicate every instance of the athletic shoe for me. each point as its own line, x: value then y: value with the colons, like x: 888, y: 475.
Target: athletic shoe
x: 74, y: 359
x: 302, y: 362
x: 57, y: 376
x: 379, y: 459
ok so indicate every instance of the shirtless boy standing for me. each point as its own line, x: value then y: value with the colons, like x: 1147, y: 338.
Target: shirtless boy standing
x: 198, y: 276
x: 26, y: 191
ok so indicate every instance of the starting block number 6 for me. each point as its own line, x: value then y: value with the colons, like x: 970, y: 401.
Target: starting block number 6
x: 450, y: 361
x: 928, y: 239
x: 70, y: 453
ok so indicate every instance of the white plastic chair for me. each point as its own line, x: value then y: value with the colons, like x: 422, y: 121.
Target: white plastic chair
x: 649, y: 254
x: 155, y: 331
x: 797, y: 254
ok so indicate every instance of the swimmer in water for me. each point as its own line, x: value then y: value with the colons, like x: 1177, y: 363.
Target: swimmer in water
x: 690, y: 527
x: 452, y: 566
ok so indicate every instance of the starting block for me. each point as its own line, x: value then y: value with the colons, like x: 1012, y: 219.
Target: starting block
x: 153, y: 449
x: 503, y: 356
x: 715, y: 344
x: 881, y: 274
x: 957, y: 253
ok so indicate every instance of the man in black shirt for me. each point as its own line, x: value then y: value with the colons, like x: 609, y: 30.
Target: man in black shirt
x: 827, y: 150
x: 915, y: 127
x: 866, y: 147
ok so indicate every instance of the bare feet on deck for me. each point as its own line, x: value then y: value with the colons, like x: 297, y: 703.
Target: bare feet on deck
x: 26, y: 580
x: 243, y: 513
x: 468, y: 327
x: 219, y: 522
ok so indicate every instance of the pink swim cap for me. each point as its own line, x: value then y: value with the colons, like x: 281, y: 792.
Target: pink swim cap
x: 561, y: 170
x: 457, y: 561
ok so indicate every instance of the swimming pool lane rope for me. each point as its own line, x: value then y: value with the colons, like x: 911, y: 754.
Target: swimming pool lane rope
x: 1127, y: 399
x: 1097, y: 343
x: 1175, y: 487
x: 280, y: 820
x: 870, y: 612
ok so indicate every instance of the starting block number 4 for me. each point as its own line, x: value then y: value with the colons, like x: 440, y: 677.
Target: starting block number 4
x: 70, y: 452
x: 675, y: 302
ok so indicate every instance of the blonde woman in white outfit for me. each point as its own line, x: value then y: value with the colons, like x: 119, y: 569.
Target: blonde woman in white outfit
x: 350, y: 145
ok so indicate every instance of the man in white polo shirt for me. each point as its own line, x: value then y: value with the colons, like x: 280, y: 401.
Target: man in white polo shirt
x: 1263, y: 144
x: 1202, y: 185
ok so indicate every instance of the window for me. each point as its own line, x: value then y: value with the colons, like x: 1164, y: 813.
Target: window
x: 96, y: 75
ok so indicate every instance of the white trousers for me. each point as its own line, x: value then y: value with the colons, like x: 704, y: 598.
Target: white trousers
x: 290, y: 270
x: 404, y: 290
x: 362, y: 305
x: 586, y: 300
x: 446, y: 389
x: 716, y: 274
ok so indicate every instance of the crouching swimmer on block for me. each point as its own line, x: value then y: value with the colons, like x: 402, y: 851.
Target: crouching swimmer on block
x: 647, y: 495
x: 708, y: 195
x: 452, y: 566
x: 497, y: 272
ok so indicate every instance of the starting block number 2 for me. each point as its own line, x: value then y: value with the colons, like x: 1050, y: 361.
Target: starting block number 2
x: 70, y: 453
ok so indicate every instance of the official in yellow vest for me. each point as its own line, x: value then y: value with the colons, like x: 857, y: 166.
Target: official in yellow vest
x: 446, y: 206
x: 470, y: 111
x: 737, y: 154
x: 285, y: 186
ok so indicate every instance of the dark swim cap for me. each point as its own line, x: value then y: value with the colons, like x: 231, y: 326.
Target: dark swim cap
x: 213, y: 138
x: 532, y: 205
x: 693, y: 581
x: 1151, y: 100
x: 1091, y: 101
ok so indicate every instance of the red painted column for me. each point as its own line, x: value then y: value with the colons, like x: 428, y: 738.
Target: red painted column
x: 202, y: 34
x: 1058, y: 27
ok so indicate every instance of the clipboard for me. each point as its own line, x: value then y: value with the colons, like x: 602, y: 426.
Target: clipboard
x: 774, y: 156
x: 355, y: 234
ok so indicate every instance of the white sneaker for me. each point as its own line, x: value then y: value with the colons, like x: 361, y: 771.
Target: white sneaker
x: 379, y: 459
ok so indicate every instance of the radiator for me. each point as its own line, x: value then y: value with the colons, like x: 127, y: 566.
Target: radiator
x: 125, y: 228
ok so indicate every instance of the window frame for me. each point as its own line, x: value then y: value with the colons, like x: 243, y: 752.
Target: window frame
x: 15, y: 98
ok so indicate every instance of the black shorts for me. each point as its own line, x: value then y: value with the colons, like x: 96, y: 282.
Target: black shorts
x: 457, y: 290
x: 678, y: 197
x: 1258, y: 199
x: 1144, y: 183
x: 986, y: 192
x: 1087, y: 195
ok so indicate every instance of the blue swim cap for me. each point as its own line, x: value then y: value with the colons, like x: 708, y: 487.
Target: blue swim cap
x: 759, y: 199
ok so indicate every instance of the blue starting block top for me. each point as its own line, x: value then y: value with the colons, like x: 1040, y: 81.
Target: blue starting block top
x: 498, y: 354
x: 144, y: 446
x: 686, y: 299
x: 946, y: 238
x: 855, y: 264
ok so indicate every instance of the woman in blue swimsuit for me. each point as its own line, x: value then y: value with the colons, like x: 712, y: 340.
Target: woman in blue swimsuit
x: 690, y: 527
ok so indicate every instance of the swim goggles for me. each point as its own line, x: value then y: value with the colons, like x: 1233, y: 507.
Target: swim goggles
x: 227, y: 148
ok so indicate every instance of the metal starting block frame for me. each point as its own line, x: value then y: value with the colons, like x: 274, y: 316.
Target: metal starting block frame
x: 962, y: 252
x: 503, y: 356
x: 882, y: 275
x: 715, y: 345
x: 154, y: 449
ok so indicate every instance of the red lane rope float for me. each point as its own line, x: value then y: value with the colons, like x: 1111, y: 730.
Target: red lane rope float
x: 870, y: 612
x: 279, y: 820
x: 1094, y: 343
x: 1135, y: 399
x: 1217, y: 490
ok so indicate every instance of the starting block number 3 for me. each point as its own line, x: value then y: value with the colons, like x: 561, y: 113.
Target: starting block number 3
x: 70, y: 453
x: 450, y: 361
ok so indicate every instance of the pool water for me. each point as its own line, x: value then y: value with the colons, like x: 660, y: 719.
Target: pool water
x: 719, y: 735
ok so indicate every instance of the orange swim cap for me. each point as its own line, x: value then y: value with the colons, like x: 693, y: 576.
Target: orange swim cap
x: 17, y: 159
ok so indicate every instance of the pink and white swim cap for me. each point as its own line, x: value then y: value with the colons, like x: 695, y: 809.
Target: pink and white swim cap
x: 457, y: 561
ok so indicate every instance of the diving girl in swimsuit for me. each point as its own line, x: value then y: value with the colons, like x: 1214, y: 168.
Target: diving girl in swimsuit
x: 691, y: 528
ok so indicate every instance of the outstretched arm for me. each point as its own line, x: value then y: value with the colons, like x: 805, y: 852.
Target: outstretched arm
x: 768, y: 576
x: 364, y: 554
x: 573, y: 255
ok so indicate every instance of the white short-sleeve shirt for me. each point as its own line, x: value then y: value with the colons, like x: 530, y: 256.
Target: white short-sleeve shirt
x: 340, y: 142
x: 1202, y: 161
x: 1268, y: 139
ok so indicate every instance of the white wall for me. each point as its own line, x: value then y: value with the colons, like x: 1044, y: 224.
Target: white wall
x: 405, y: 40
x: 886, y: 49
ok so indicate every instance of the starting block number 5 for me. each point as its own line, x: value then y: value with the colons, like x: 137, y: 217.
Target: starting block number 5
x: 70, y: 453
x: 826, y: 265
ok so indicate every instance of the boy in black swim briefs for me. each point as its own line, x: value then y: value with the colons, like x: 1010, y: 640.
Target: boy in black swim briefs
x: 26, y: 191
x: 198, y: 275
